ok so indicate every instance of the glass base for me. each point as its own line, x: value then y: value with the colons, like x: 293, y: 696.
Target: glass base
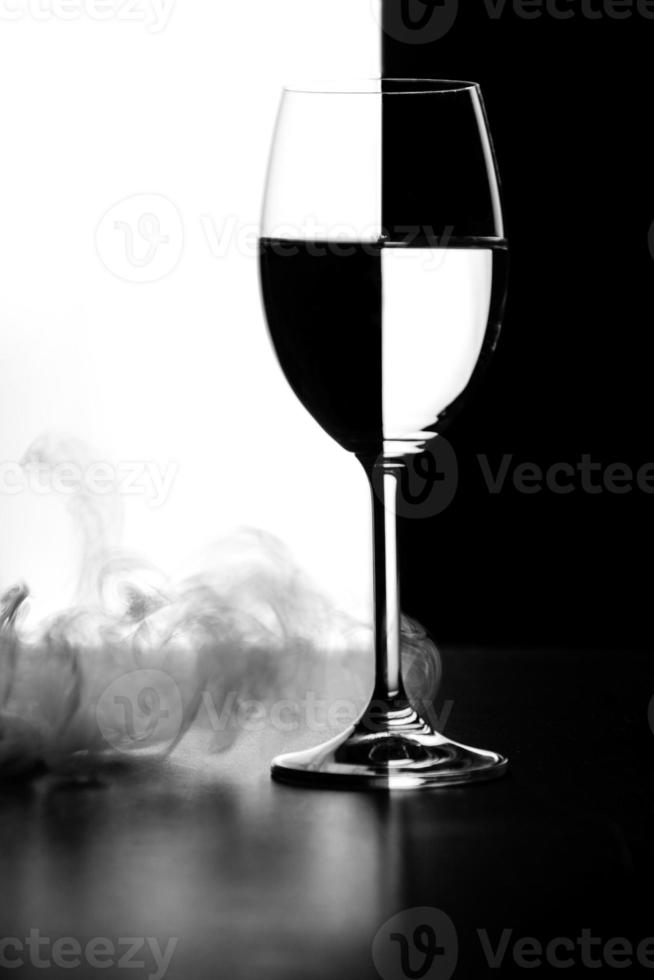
x: 403, y: 753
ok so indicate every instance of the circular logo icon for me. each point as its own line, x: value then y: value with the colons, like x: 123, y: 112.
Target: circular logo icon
x: 416, y: 21
x: 140, y: 239
x: 427, y: 482
x: 141, y: 710
x: 416, y: 943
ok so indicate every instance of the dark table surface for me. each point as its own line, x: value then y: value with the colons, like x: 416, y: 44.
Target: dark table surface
x: 256, y: 879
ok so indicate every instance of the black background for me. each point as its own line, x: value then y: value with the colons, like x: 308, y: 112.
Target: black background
x: 569, y: 104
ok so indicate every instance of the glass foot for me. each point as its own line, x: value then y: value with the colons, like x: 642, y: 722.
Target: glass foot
x: 403, y: 753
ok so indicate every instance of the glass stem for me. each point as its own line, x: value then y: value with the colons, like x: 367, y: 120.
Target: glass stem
x: 384, y: 476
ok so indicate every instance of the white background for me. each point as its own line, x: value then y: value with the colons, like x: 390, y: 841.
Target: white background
x: 173, y: 109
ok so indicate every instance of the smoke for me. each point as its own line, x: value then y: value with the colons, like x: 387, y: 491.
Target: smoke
x: 139, y: 658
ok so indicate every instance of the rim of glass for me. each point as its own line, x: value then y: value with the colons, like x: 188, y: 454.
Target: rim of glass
x: 377, y: 86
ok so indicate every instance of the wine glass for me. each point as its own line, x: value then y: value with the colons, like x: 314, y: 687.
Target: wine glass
x: 383, y: 272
